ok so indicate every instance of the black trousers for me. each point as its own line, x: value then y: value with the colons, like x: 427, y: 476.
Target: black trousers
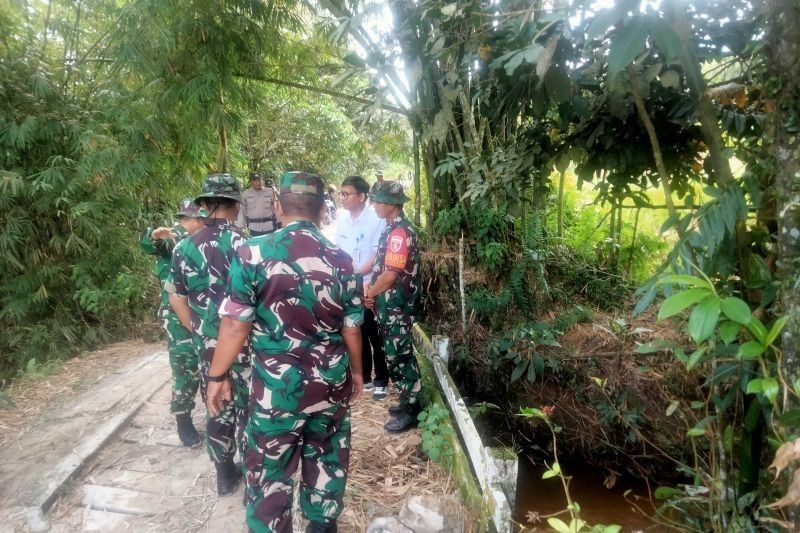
x: 372, y: 352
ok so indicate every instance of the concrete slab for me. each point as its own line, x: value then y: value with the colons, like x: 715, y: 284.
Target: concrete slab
x: 35, y: 468
x: 130, y: 502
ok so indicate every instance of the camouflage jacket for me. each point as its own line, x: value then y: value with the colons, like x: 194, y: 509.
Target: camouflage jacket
x: 199, y: 272
x: 398, y: 250
x: 299, y: 290
x: 162, y: 250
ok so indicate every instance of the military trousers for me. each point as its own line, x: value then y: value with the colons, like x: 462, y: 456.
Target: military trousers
x: 403, y: 367
x: 278, y: 441
x: 183, y: 361
x: 225, y: 432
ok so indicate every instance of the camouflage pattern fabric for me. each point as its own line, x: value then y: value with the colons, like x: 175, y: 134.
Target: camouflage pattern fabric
x: 395, y: 308
x: 198, y: 271
x: 299, y: 291
x: 220, y: 186
x: 403, y: 366
x: 388, y: 192
x: 182, y: 355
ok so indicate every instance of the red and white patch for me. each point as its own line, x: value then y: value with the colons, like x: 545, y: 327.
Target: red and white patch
x: 397, y: 250
x: 396, y: 243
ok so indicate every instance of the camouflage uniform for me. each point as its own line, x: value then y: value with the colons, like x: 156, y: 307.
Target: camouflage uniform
x: 182, y: 355
x: 395, y: 308
x: 199, y: 272
x: 299, y: 291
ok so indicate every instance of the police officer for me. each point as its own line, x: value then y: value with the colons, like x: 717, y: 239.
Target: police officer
x: 297, y: 298
x: 393, y: 294
x: 258, y: 212
x: 196, y: 283
x: 182, y: 355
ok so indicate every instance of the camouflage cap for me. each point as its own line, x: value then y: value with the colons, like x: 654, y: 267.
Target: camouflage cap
x: 187, y: 208
x: 388, y: 192
x: 220, y: 186
x: 302, y: 183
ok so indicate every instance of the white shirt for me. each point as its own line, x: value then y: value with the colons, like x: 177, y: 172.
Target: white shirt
x: 359, y: 237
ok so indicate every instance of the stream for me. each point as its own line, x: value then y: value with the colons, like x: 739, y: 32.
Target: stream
x: 599, y: 505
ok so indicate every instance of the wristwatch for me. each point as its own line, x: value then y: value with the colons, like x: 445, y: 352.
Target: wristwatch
x: 218, y: 379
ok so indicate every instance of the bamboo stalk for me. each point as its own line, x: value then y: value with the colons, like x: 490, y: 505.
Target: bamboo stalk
x: 461, y: 287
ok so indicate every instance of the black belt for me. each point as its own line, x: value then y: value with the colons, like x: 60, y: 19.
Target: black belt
x: 259, y: 220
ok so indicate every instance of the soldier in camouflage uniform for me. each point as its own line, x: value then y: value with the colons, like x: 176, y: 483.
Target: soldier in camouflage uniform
x: 196, y: 283
x: 393, y: 294
x: 297, y: 299
x: 182, y: 355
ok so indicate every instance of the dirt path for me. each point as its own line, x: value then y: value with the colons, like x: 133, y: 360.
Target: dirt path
x: 143, y: 480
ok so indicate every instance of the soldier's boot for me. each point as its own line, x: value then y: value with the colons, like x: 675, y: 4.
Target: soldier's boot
x: 404, y: 420
x: 228, y: 477
x: 396, y: 409
x: 186, y: 431
x: 314, y: 527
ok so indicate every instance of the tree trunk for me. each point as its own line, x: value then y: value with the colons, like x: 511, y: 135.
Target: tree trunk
x: 783, y: 51
x: 417, y: 187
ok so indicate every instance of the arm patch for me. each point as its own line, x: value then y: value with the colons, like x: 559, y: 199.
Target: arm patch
x: 397, y: 249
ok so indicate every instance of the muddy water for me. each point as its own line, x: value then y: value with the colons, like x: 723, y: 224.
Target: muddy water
x: 599, y: 505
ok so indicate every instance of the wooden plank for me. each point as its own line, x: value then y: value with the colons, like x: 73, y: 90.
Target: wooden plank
x: 496, y: 471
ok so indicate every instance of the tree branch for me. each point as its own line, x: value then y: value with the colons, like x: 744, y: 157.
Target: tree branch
x: 322, y: 90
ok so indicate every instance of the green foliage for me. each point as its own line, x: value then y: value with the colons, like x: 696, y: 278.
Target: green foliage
x: 74, y: 187
x: 437, y: 434
x: 740, y: 356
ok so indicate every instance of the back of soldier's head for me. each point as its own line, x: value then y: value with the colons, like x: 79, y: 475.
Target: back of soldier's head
x: 302, y: 195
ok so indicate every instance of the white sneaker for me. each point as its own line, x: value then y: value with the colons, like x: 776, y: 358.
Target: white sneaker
x: 367, y: 386
x: 380, y: 393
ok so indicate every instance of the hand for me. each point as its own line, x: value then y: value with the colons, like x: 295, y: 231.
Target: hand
x: 369, y: 298
x: 218, y: 394
x: 161, y: 233
x: 358, y: 386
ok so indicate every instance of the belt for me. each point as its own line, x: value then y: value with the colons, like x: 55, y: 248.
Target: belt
x: 258, y: 220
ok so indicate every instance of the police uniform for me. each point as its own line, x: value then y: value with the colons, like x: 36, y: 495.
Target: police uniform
x: 199, y: 272
x: 182, y: 355
x: 258, y: 213
x: 298, y: 290
x: 395, y: 308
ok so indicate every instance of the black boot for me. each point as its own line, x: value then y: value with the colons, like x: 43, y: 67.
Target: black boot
x: 228, y: 477
x: 396, y: 409
x: 313, y: 527
x: 403, y: 421
x: 186, y: 431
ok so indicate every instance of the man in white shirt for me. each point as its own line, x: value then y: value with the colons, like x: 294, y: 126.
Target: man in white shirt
x: 358, y: 233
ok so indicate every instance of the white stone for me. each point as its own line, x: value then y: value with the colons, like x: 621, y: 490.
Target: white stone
x: 431, y: 514
x: 387, y: 524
